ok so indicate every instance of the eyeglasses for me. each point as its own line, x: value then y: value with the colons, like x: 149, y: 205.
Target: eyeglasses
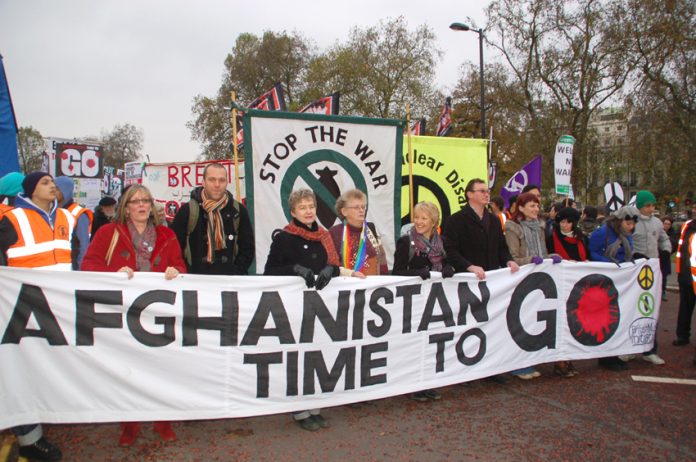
x: 139, y: 201
x: 484, y: 191
x: 357, y: 207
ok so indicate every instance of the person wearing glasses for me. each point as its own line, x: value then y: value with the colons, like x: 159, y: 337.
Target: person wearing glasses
x: 357, y: 242
x: 613, y: 242
x: 473, y: 238
x: 136, y: 241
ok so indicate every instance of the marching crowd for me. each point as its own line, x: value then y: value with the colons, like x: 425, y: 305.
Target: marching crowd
x: 42, y: 227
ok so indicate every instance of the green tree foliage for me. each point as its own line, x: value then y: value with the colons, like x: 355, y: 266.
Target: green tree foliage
x: 31, y: 149
x: 122, y: 144
x: 253, y: 67
x: 379, y: 69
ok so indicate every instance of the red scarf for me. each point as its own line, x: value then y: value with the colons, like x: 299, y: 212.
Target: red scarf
x: 569, y: 248
x: 320, y: 235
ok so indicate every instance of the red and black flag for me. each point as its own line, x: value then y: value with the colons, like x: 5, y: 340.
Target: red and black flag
x: 444, y: 125
x: 418, y: 127
x: 325, y: 105
x: 272, y: 100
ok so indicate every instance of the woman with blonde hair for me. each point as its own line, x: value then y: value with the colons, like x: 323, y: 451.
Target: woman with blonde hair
x: 136, y: 241
x: 419, y: 252
x: 357, y: 241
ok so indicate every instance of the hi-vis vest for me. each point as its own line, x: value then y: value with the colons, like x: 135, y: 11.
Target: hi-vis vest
x: 39, y: 246
x: 4, y: 208
x: 692, y: 252
x: 503, y: 218
x: 76, y: 210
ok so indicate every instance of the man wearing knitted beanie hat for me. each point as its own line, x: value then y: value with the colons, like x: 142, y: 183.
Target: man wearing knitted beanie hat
x: 649, y: 238
x: 45, y: 243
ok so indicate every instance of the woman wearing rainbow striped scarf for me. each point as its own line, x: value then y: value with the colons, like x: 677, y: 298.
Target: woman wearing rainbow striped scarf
x: 357, y: 241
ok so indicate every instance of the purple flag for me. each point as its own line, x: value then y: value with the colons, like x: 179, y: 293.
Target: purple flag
x: 529, y: 174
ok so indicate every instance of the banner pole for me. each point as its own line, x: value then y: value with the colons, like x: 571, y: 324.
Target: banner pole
x: 235, y: 155
x: 410, y: 162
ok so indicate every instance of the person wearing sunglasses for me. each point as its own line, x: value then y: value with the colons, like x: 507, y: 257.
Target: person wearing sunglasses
x: 136, y: 241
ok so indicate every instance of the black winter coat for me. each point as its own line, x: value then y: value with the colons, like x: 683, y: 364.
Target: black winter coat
x: 288, y: 250
x: 469, y: 240
x: 225, y: 263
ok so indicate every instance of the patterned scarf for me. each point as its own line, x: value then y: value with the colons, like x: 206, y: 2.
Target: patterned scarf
x: 215, y: 226
x: 433, y: 248
x: 319, y: 235
x: 143, y: 244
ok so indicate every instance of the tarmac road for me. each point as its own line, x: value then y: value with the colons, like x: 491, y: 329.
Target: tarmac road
x: 599, y: 415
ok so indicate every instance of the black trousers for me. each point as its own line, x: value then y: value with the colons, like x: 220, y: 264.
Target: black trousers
x: 687, y: 300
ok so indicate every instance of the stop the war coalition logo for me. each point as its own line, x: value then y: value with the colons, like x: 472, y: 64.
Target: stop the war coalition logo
x: 329, y: 155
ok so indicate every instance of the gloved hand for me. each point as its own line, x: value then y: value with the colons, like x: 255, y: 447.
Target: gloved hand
x: 305, y: 273
x: 424, y: 273
x: 556, y: 259
x: 324, y: 277
x: 537, y: 260
x: 447, y: 271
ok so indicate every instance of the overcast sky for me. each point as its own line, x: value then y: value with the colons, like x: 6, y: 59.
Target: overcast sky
x: 80, y: 67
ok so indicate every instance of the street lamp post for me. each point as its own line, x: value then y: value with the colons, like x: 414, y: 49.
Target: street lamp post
x: 458, y: 26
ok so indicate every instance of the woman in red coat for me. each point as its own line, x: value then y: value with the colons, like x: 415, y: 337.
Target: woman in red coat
x: 136, y: 242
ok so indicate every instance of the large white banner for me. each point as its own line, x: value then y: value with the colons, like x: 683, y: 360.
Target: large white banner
x: 104, y: 348
x: 171, y: 184
x: 328, y: 154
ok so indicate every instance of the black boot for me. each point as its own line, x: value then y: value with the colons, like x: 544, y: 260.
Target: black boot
x: 41, y: 450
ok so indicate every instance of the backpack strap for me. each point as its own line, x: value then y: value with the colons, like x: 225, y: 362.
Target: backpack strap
x: 194, y: 213
x: 236, y: 207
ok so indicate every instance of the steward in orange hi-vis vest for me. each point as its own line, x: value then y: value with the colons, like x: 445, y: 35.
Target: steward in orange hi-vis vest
x: 36, y: 234
x: 31, y: 237
x: 686, y: 252
x: 38, y: 244
x: 686, y: 278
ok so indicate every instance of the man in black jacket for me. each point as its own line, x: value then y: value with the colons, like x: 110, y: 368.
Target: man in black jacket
x: 213, y: 229
x: 473, y: 237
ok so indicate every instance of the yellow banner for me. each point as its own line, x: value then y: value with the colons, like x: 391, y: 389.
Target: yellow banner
x: 442, y: 167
